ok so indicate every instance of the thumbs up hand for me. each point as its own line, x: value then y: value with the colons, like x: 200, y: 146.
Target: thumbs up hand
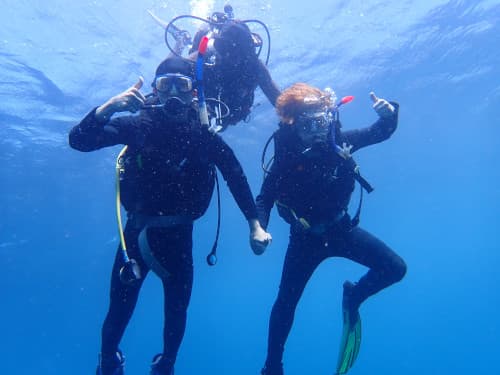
x: 383, y: 108
x: 130, y: 100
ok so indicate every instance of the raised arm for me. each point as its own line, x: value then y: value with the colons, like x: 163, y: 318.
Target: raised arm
x: 266, y: 83
x: 96, y: 130
x: 381, y: 130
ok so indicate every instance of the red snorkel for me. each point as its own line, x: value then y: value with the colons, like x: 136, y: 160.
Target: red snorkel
x: 345, y: 100
x: 335, y: 113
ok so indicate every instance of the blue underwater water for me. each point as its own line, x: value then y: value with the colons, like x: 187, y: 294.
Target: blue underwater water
x: 436, y: 198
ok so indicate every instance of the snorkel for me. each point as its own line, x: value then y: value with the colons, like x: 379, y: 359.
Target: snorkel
x: 202, y: 105
x: 345, y: 100
x: 335, y: 117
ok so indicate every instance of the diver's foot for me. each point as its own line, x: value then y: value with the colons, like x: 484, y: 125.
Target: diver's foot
x: 111, y: 364
x: 162, y: 365
x: 350, y: 342
x: 350, y: 303
x: 272, y: 369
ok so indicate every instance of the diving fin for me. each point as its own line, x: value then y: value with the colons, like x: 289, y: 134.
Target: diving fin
x: 350, y: 341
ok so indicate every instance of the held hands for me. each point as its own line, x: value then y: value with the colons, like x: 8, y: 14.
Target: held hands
x: 259, y: 238
x: 383, y: 108
x: 130, y: 100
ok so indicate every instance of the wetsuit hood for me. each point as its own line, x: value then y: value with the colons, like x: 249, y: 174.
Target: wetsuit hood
x: 174, y: 64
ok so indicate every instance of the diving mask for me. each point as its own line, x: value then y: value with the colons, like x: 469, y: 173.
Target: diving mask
x: 175, y: 90
x: 313, y: 129
x: 166, y: 83
x: 313, y: 124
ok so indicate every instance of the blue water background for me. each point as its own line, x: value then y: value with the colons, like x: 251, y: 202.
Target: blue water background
x: 436, y: 198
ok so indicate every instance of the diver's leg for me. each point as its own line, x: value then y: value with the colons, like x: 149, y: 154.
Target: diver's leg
x: 385, y: 266
x: 174, y: 251
x: 302, y: 258
x: 123, y: 298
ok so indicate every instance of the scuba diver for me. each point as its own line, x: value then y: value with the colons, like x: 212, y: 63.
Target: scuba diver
x: 165, y: 180
x: 311, y: 180
x: 233, y: 68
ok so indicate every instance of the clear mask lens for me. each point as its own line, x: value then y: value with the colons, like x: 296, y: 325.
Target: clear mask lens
x: 166, y: 82
x: 314, y: 123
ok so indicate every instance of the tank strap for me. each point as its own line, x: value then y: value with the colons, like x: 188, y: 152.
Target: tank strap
x: 145, y: 222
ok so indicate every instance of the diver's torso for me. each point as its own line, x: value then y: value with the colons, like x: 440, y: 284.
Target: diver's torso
x: 169, y: 174
x: 235, y: 88
x: 317, y: 185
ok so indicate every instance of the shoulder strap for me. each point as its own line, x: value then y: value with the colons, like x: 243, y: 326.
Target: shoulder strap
x: 365, y: 185
x: 265, y: 165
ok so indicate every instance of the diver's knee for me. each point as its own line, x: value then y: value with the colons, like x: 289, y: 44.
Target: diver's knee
x: 398, y: 269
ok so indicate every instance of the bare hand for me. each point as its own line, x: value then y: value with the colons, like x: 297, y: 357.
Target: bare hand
x: 259, y: 239
x: 383, y: 108
x: 130, y: 100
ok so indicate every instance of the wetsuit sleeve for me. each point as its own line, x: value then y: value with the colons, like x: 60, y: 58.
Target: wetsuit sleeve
x: 90, y: 134
x: 225, y: 160
x: 376, y: 133
x: 265, y: 200
x: 266, y: 83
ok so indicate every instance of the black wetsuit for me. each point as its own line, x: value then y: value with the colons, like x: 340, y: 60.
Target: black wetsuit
x: 168, y: 171
x: 235, y: 86
x: 236, y: 74
x: 315, y: 187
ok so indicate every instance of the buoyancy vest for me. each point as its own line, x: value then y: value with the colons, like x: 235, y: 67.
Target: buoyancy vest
x: 166, y: 180
x: 313, y: 186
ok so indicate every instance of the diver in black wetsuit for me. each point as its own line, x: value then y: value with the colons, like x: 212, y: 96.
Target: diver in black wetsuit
x: 238, y: 72
x: 233, y: 70
x: 166, y: 184
x: 311, y: 181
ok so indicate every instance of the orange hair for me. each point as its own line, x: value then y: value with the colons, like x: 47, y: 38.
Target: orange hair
x: 300, y: 98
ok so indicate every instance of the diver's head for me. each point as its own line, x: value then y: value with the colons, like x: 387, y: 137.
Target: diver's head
x: 308, y: 110
x: 313, y: 128
x: 234, y: 42
x: 174, y: 86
